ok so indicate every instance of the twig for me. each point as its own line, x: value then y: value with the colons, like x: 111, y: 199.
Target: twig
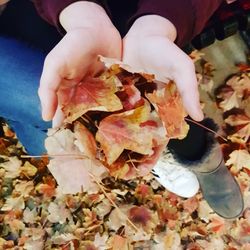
x: 112, y: 202
x: 81, y: 156
x: 197, y: 123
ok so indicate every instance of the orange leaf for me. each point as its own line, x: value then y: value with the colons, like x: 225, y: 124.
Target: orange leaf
x: 168, y: 104
x: 217, y: 224
x: 118, y: 242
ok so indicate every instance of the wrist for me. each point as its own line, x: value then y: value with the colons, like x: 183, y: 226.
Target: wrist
x: 84, y: 14
x: 153, y: 25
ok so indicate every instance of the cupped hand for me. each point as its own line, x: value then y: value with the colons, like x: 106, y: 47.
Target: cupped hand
x: 149, y: 46
x: 75, y: 57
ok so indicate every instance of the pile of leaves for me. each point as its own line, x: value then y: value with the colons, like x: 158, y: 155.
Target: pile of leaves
x: 129, y: 212
x: 116, y: 124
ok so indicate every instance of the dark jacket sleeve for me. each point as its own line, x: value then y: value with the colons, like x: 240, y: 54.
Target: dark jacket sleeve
x: 188, y: 16
x: 50, y: 9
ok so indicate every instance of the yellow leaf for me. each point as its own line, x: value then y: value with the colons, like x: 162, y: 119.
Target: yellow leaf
x: 28, y: 169
x: 12, y: 167
x: 13, y: 203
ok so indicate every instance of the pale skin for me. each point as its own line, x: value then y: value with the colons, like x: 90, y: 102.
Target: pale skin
x: 149, y: 45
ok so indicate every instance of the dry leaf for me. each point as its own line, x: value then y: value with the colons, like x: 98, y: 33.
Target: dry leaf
x: 92, y: 94
x: 24, y: 188
x: 13, y: 203
x: 230, y: 102
x: 28, y: 169
x: 239, y: 159
x: 123, y: 131
x: 12, y: 167
x: 58, y: 213
x: 63, y: 143
x: 168, y: 104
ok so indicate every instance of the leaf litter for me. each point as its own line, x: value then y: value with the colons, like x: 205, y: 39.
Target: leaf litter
x: 101, y: 194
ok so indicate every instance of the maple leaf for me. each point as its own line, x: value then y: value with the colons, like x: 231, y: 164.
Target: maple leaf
x: 92, y: 94
x: 28, y: 169
x: 130, y: 97
x: 35, y: 238
x: 191, y: 204
x: 117, y: 65
x: 140, y: 215
x: 100, y: 241
x: 103, y: 208
x: 117, y: 218
x: 16, y: 226
x: 172, y: 240
x: 58, y: 213
x: 143, y: 192
x: 214, y: 243
x: 240, y: 84
x: 206, y: 84
x: 232, y: 101
x: 118, y: 242
x: 47, y: 188
x: 242, y: 123
x: 148, y: 162
x: 60, y: 239
x: 243, y: 181
x: 13, y: 203
x: 168, y: 104
x: 30, y: 216
x: 204, y: 211
x: 85, y: 141
x: 217, y: 224
x: 239, y: 159
x: 63, y: 143
x: 12, y: 167
x: 237, y: 119
x: 60, y: 142
x: 79, y: 178
x: 243, y: 133
x: 123, y: 131
x: 24, y: 187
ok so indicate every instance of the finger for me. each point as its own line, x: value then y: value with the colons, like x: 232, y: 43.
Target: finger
x: 58, y: 118
x: 187, y: 85
x: 49, y: 84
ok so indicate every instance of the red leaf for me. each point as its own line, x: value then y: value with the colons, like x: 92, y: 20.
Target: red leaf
x: 122, y: 131
x: 92, y: 94
x: 130, y: 97
x: 140, y: 215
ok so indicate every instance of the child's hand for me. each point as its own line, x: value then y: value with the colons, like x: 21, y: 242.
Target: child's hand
x: 89, y: 33
x: 149, y: 46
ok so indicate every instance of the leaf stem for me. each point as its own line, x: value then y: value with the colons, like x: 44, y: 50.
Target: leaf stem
x: 202, y: 126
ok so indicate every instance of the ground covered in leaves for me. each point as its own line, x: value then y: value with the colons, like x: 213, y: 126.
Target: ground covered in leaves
x: 131, y: 214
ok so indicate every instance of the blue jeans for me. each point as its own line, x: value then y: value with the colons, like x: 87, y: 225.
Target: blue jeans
x: 20, y: 70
